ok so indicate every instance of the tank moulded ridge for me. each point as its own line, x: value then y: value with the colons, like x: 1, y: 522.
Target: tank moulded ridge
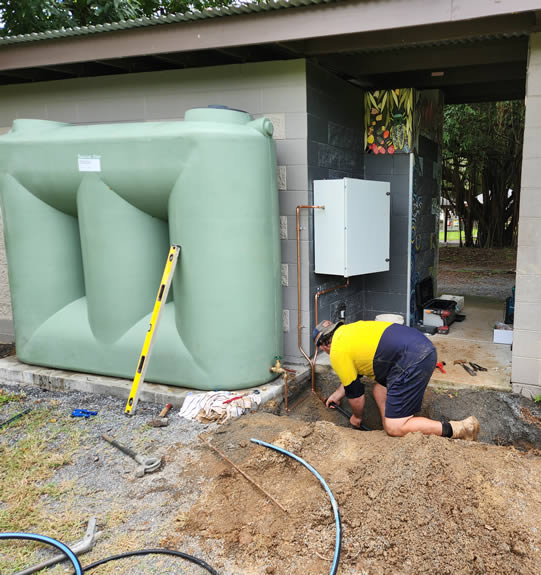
x: 89, y: 214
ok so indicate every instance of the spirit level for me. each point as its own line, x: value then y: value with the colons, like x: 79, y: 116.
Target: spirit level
x: 144, y: 358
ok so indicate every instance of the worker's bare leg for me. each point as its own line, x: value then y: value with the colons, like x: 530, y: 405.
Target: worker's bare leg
x: 398, y: 427
x: 380, y: 396
x: 357, y: 407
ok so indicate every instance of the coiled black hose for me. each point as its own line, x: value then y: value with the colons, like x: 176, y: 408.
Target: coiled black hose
x: 190, y: 558
x: 80, y: 570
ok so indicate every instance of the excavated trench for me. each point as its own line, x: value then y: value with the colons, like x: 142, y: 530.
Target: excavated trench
x: 506, y: 419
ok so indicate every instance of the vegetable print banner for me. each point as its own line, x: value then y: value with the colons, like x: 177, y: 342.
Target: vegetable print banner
x: 388, y: 118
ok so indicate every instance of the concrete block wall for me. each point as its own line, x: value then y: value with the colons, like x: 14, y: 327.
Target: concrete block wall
x: 6, y: 316
x: 335, y: 140
x: 273, y: 89
x: 387, y: 292
x: 526, y: 359
x: 425, y: 218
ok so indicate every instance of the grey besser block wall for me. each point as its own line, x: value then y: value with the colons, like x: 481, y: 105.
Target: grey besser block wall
x: 387, y: 292
x: 335, y: 140
x: 526, y: 358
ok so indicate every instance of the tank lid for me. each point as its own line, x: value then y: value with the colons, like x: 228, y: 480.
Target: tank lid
x: 221, y: 114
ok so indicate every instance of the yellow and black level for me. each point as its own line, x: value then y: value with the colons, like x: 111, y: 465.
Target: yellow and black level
x: 144, y: 358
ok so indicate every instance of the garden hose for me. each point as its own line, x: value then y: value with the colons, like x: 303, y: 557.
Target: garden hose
x: 336, y: 558
x: 80, y: 570
x: 44, y: 539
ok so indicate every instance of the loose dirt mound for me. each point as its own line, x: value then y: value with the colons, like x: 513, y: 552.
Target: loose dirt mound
x: 408, y: 505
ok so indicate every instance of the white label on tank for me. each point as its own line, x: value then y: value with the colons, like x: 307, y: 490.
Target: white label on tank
x: 89, y: 163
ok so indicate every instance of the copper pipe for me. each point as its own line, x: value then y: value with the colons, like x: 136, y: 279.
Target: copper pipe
x: 299, y: 317
x: 316, y: 298
x: 244, y: 474
x: 316, y: 306
x: 299, y: 322
x: 296, y: 404
x: 279, y: 368
x: 311, y: 361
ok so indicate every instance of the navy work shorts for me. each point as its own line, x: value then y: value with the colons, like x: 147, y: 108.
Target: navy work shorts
x: 406, y: 382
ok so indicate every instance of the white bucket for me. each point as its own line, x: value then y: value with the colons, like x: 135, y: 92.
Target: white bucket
x: 392, y: 317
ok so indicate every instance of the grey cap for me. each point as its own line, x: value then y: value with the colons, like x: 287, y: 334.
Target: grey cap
x: 324, y: 328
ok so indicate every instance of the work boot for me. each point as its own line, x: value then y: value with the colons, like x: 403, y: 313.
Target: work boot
x: 466, y: 428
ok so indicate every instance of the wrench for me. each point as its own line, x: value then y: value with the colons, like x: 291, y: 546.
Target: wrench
x: 82, y: 546
x: 146, y: 464
x: 466, y: 367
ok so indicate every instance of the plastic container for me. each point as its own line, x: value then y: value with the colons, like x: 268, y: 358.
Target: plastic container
x: 89, y: 214
x: 390, y: 317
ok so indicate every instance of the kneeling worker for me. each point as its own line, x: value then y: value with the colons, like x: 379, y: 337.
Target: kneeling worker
x: 401, y: 360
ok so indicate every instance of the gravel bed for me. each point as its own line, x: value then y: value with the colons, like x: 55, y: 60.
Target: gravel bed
x: 137, y: 511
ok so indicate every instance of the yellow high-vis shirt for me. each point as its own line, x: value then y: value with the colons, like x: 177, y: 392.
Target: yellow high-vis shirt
x: 353, y: 349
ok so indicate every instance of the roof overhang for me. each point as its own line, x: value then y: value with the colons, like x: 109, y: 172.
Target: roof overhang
x: 471, y: 50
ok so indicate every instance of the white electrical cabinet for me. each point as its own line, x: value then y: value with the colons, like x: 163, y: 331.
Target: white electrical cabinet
x: 351, y: 235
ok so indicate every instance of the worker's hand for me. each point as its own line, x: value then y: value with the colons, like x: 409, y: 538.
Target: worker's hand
x: 355, y: 421
x: 335, y: 397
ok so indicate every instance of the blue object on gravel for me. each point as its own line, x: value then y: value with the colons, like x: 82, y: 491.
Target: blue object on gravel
x: 83, y: 413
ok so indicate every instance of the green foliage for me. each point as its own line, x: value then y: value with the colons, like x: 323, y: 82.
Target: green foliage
x: 477, y: 132
x: 34, y: 16
x: 7, y: 397
x: 537, y: 399
x: 482, y: 158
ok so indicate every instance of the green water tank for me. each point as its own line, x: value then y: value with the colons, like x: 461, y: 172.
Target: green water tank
x: 89, y: 215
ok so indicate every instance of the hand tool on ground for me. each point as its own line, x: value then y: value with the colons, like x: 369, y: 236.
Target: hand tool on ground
x: 466, y: 367
x: 79, y: 548
x: 243, y: 474
x: 478, y: 367
x: 440, y: 365
x: 161, y: 420
x: 15, y: 417
x: 83, y: 413
x: 146, y: 464
x: 165, y: 410
x: 159, y: 304
x: 348, y: 415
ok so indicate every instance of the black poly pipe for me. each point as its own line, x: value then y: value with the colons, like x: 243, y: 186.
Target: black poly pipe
x: 348, y: 415
x: 191, y: 558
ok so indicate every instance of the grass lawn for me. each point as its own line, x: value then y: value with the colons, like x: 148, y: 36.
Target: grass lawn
x: 453, y: 236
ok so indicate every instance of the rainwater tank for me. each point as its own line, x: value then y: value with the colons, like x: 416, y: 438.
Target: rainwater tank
x: 89, y: 214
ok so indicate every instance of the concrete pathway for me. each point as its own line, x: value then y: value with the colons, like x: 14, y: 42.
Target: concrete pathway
x: 472, y: 340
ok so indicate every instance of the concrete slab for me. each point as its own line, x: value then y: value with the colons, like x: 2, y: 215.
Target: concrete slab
x: 14, y: 371
x: 472, y: 340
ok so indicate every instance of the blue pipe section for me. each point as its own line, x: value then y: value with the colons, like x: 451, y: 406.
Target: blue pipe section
x: 336, y: 559
x: 44, y: 539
